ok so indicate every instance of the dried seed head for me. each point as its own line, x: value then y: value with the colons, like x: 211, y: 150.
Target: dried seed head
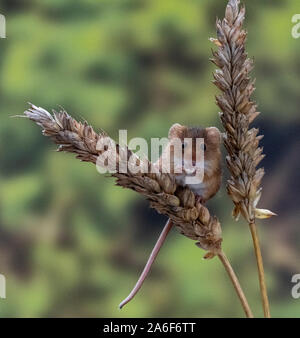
x: 238, y: 111
x: 193, y: 220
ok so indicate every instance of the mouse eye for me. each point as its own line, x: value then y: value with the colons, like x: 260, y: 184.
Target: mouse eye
x: 203, y: 146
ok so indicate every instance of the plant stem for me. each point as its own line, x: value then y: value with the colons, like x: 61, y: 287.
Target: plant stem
x: 149, y: 263
x: 236, y: 284
x: 261, y: 273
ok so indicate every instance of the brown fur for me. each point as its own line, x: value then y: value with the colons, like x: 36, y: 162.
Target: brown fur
x: 212, y: 140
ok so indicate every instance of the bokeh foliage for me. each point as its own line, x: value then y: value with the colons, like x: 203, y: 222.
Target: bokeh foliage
x: 71, y: 243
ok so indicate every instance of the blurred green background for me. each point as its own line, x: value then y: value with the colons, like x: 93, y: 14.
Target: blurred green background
x: 73, y: 244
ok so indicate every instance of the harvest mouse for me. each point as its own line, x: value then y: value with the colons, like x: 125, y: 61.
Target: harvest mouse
x: 172, y: 158
x: 210, y: 182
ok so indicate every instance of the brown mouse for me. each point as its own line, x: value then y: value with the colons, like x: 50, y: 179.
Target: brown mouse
x: 169, y: 162
x: 210, y: 182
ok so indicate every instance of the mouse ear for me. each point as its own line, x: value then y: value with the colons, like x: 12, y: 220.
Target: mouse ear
x: 175, y: 130
x: 213, y: 134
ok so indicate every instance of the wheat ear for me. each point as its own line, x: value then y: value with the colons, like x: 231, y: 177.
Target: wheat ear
x: 237, y: 113
x: 191, y: 218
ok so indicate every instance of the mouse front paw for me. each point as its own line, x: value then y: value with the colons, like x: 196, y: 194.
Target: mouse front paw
x: 200, y: 199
